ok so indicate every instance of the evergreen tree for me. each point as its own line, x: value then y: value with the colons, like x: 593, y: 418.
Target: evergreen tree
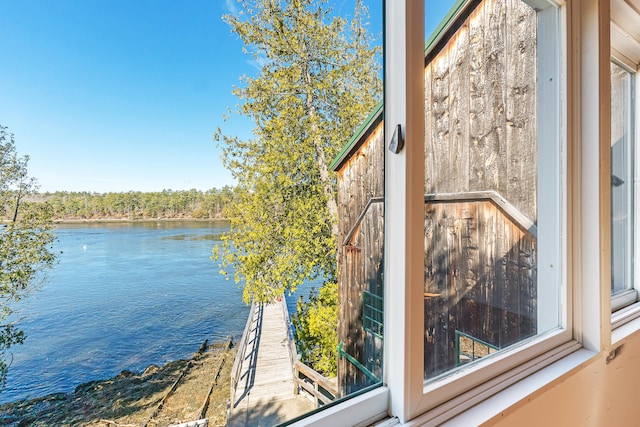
x: 319, y: 79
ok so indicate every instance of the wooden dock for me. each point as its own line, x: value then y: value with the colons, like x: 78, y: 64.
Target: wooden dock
x: 263, y: 390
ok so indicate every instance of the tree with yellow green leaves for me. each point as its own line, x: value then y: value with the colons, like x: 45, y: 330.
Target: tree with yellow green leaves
x: 319, y: 79
x: 26, y: 243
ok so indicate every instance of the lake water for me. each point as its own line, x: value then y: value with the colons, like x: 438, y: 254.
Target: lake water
x: 124, y: 296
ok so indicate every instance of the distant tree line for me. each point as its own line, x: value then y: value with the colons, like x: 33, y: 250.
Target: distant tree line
x: 166, y: 204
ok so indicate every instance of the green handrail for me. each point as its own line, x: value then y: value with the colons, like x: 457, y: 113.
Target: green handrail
x: 372, y: 313
x: 474, y: 340
x: 357, y: 364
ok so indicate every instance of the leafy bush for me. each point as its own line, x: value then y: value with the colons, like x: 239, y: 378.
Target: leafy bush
x: 316, y: 329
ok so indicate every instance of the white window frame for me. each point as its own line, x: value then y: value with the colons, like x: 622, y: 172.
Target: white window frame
x: 463, y: 389
x: 625, y: 305
x: 404, y: 243
x: 585, y: 43
x: 626, y: 298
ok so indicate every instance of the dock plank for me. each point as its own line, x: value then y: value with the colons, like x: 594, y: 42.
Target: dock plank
x: 264, y: 394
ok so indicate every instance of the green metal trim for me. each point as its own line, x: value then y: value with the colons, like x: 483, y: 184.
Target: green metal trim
x: 444, y: 24
x: 442, y: 27
x: 375, y: 334
x: 355, y: 363
x: 374, y: 304
x: 362, y: 130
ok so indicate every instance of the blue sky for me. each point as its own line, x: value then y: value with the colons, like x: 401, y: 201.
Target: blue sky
x: 117, y: 95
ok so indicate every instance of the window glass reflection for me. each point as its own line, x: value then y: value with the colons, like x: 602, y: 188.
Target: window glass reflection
x: 621, y: 180
x: 481, y: 289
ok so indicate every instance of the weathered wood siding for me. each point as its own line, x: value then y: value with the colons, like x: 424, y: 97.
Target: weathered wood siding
x: 480, y: 135
x: 360, y: 188
x: 480, y: 101
x: 480, y: 279
x: 360, y: 179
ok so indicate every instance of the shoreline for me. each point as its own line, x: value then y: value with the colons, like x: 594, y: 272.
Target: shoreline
x: 132, y: 396
x: 56, y: 394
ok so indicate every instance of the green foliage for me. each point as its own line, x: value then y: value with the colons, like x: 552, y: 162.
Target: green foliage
x: 277, y: 244
x: 26, y: 243
x: 316, y: 329
x: 318, y: 80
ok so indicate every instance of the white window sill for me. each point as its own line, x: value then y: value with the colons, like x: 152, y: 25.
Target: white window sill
x: 500, y: 402
x: 625, y: 322
x: 363, y: 410
x: 366, y: 409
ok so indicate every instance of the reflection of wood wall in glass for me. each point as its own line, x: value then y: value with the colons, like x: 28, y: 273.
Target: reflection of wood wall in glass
x: 480, y: 251
x: 360, y: 207
x: 480, y: 135
x: 480, y: 276
x: 480, y: 101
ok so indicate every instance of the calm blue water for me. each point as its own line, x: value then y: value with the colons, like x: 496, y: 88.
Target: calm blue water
x: 124, y: 296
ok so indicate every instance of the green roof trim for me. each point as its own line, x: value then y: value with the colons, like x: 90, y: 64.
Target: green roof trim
x: 443, y: 26
x: 355, y: 139
x: 458, y: 9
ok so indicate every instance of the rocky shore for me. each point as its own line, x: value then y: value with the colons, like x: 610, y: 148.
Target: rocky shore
x: 179, y: 391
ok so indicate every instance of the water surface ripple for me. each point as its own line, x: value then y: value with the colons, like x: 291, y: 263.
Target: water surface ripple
x: 123, y: 296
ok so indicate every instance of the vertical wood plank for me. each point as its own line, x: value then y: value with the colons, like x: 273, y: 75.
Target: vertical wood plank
x: 442, y: 277
x: 454, y: 282
x: 441, y: 110
x: 430, y: 287
x: 492, y: 272
x: 469, y: 272
x: 477, y: 110
x: 521, y: 129
x: 429, y: 144
x: 474, y: 279
x: 459, y: 107
x: 510, y: 285
x: 504, y: 248
x: 493, y: 154
x: 377, y: 171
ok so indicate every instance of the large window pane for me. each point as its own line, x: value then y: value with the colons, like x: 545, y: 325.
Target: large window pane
x: 491, y: 190
x: 621, y: 180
